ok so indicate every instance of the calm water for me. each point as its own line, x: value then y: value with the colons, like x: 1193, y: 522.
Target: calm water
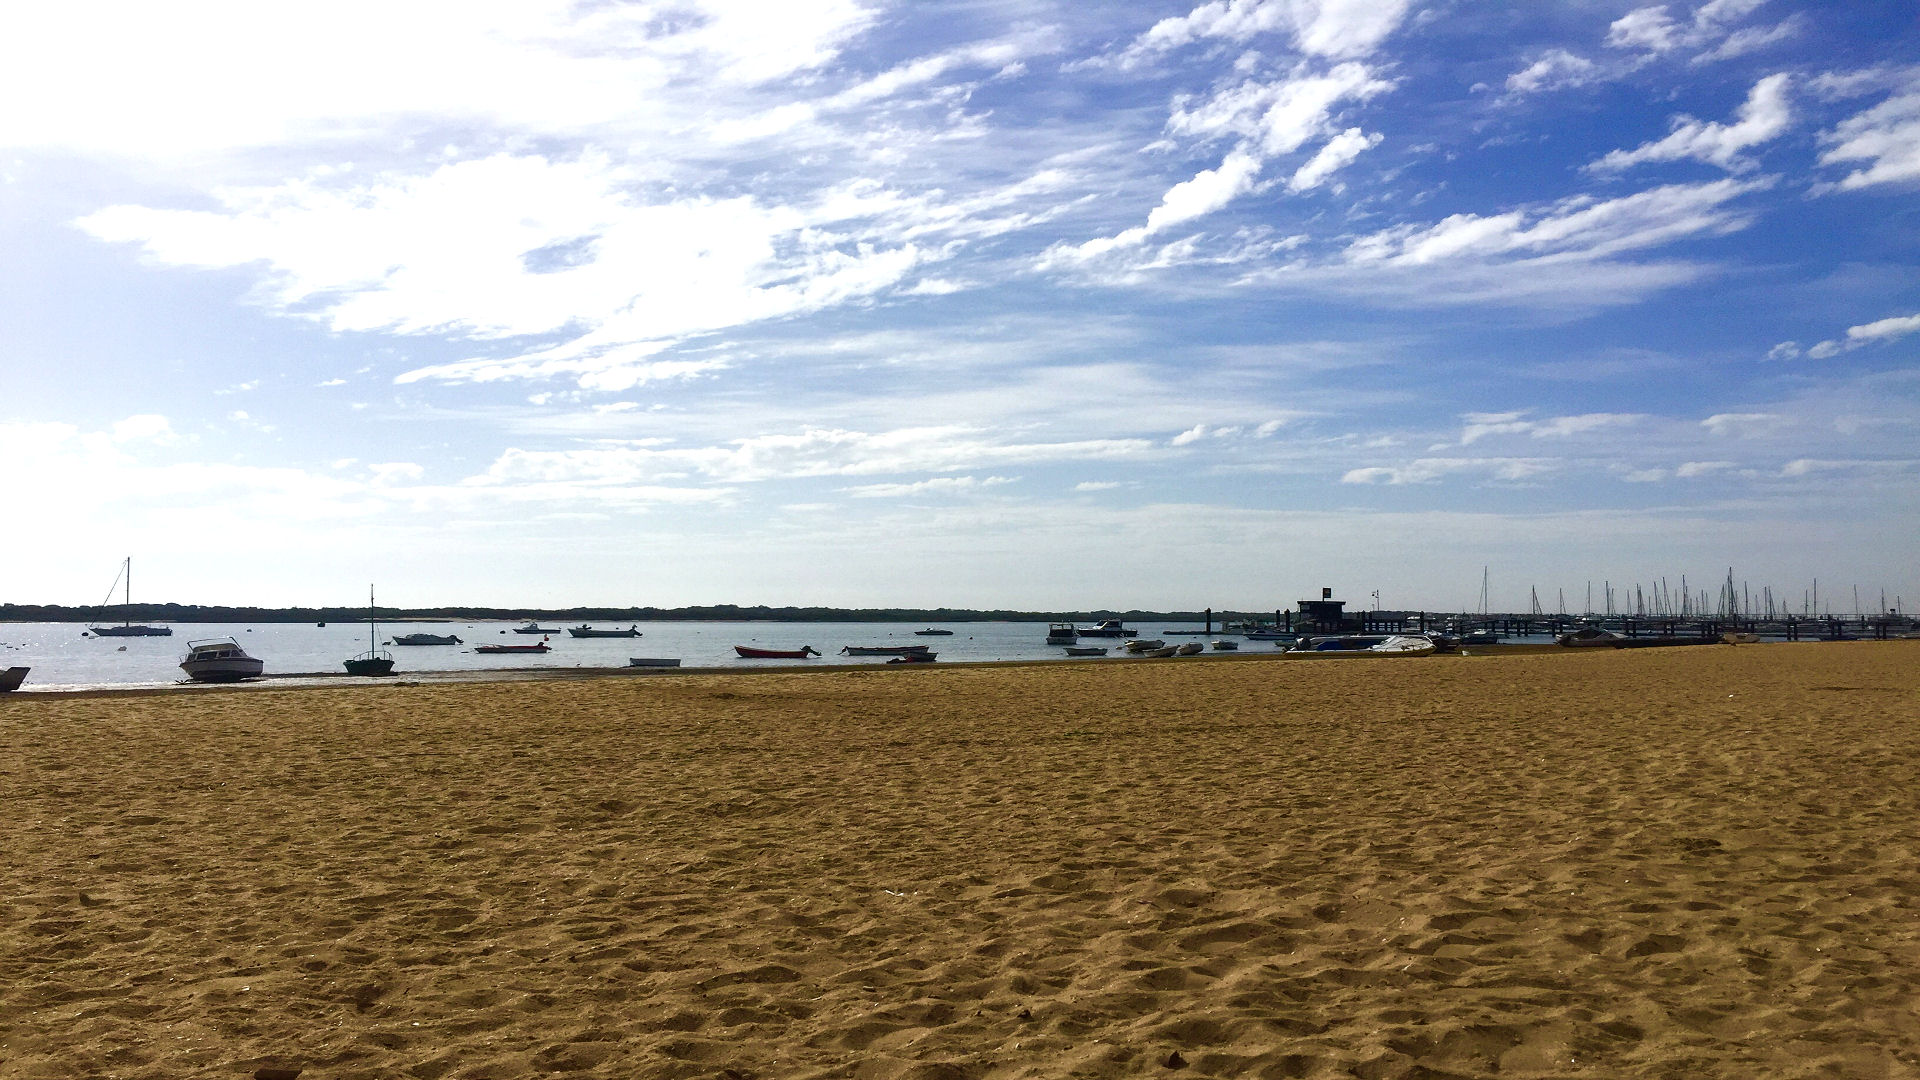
x: 61, y: 658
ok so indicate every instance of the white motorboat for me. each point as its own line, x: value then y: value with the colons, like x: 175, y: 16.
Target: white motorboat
x: 1062, y: 633
x: 219, y: 660
x: 1404, y: 645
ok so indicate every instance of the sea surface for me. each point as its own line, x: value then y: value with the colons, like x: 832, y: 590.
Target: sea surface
x: 64, y: 656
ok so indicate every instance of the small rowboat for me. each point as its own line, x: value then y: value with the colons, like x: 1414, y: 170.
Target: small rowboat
x: 583, y: 630
x: 882, y: 650
x: 538, y: 647
x: 1085, y: 650
x: 933, y: 632
x: 750, y: 653
x: 1155, y: 654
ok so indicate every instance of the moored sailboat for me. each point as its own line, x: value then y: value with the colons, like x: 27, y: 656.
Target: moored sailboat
x: 375, y: 661
x: 128, y: 628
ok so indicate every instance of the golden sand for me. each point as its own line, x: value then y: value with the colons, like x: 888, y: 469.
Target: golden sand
x: 1697, y: 862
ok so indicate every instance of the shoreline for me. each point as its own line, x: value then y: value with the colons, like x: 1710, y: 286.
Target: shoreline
x: 437, y: 677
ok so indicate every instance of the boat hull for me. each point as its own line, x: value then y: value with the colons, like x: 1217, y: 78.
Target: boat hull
x: 748, y: 652
x: 131, y: 631
x: 652, y: 661
x: 492, y: 650
x: 883, y: 650
x: 427, y: 639
x: 11, y: 678
x: 369, y: 666
x: 587, y: 631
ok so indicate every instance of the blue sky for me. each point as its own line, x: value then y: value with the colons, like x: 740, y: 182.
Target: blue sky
x: 1007, y: 303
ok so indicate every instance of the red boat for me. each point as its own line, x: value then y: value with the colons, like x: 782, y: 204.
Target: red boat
x: 750, y: 653
x: 537, y: 648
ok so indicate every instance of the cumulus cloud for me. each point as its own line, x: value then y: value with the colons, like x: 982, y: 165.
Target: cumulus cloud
x: 1328, y: 28
x: 1885, y: 137
x: 1878, y: 332
x: 1764, y: 116
x: 1339, y: 152
x: 1556, y: 69
x: 1655, y: 30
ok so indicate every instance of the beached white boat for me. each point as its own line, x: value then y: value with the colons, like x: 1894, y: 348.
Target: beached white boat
x: 1590, y: 637
x: 1141, y: 645
x: 1404, y: 645
x: 1155, y: 654
x: 1223, y: 645
x: 219, y: 660
x: 1191, y: 648
x: 1085, y: 650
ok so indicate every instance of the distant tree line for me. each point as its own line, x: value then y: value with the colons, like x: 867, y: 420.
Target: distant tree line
x: 213, y: 613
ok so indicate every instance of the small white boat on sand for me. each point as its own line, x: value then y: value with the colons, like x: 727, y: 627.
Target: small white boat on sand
x: 219, y: 660
x: 1224, y: 645
x: 1085, y: 650
x: 1191, y: 648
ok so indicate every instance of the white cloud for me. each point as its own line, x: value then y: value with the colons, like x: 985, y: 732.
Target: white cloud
x: 1433, y: 470
x: 1557, y: 69
x: 523, y: 66
x: 1331, y: 28
x: 454, y: 253
x: 817, y: 452
x: 1886, y: 136
x: 1743, y: 425
x: 1655, y: 30
x: 1482, y: 425
x: 1883, y: 330
x: 1692, y: 469
x: 1786, y: 350
x: 1580, y: 227
x: 1097, y: 485
x: 1764, y: 117
x: 144, y: 427
x: 939, y: 485
x: 1339, y: 152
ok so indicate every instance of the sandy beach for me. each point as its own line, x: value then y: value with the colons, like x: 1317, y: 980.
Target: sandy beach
x: 1695, y: 862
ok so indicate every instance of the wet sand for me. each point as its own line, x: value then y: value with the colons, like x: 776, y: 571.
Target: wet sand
x: 1699, y: 862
